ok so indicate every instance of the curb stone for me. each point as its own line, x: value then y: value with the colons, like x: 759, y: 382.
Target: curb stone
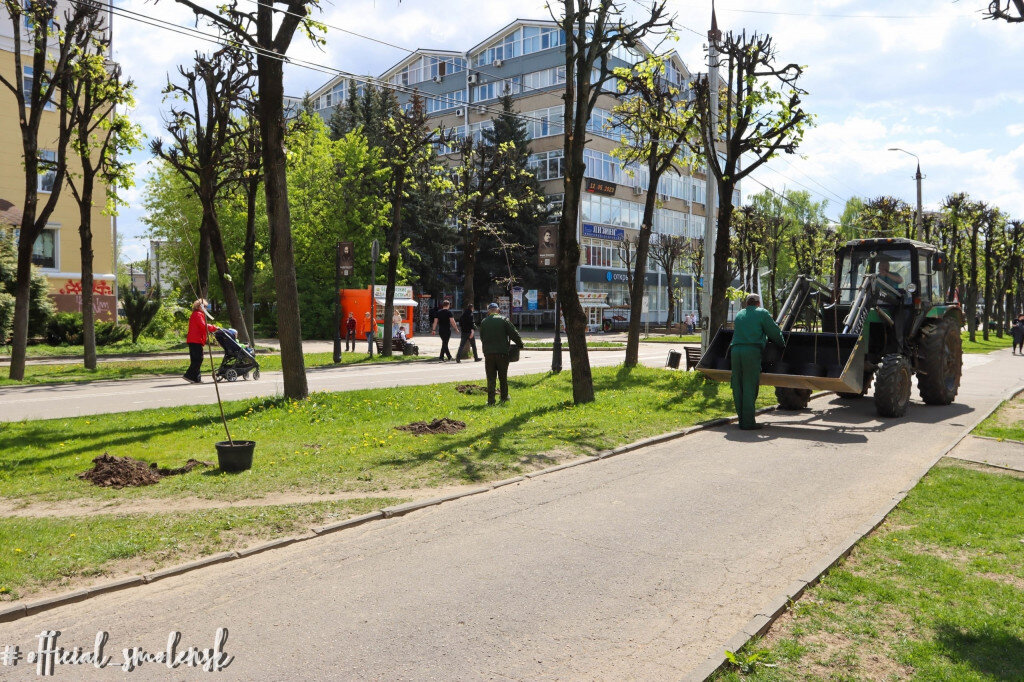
x: 715, y: 662
x: 21, y: 611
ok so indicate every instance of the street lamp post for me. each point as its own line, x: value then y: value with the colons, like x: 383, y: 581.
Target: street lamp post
x: 918, y: 218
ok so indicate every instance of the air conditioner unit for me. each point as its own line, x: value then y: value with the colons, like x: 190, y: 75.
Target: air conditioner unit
x: 638, y: 190
x: 460, y: 112
x: 498, y: 63
x: 481, y: 110
x: 472, y: 78
x: 438, y: 79
x: 662, y: 197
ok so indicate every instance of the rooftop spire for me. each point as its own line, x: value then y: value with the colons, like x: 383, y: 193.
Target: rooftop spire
x: 714, y: 35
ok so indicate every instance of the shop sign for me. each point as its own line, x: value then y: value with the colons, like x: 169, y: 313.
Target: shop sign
x: 603, y: 232
x: 592, y: 299
x: 381, y: 290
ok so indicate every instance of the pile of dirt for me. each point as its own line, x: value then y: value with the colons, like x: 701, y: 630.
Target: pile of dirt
x: 471, y: 389
x: 443, y: 425
x: 110, y: 471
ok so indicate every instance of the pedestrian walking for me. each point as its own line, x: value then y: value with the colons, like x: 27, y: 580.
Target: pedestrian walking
x: 1017, y: 331
x: 198, y: 329
x: 369, y: 331
x: 752, y: 327
x: 468, y: 339
x: 350, y: 332
x: 496, y: 334
x: 444, y: 322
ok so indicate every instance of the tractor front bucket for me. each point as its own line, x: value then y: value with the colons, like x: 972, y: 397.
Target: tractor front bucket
x: 820, y: 362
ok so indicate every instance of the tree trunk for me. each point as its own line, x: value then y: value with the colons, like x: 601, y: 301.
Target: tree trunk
x: 22, y: 302
x: 202, y: 262
x: 636, y: 293
x: 569, y: 302
x: 988, y: 284
x: 469, y: 249
x: 719, y: 312
x: 227, y: 286
x: 282, y: 256
x: 85, y: 236
x: 249, y: 261
x: 394, y: 246
x: 972, y: 288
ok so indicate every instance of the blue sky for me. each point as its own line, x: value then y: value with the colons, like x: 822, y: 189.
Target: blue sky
x: 930, y: 76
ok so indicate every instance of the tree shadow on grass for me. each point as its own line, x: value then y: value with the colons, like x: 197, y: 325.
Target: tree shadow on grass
x: 995, y: 653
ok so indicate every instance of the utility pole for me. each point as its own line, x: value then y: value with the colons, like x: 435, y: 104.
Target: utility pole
x: 711, y: 198
x: 919, y: 217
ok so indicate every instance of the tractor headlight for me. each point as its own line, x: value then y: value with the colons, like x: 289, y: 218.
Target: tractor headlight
x: 911, y: 287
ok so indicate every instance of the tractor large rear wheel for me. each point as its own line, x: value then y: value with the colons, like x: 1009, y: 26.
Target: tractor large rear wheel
x: 892, y: 386
x: 792, y: 398
x: 940, y: 363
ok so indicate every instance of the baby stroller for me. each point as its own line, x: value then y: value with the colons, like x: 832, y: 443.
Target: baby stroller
x: 238, y: 361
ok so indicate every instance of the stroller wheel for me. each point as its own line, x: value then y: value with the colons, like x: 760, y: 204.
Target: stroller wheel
x: 231, y: 375
x: 218, y: 377
x: 256, y: 374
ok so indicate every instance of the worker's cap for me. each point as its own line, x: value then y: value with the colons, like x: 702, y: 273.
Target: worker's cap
x: 492, y: 306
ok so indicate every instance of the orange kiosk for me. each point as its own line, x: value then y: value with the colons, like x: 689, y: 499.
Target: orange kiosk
x: 359, y: 302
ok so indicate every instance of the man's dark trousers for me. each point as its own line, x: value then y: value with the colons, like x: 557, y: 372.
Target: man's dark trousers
x: 467, y: 342
x: 746, y: 377
x: 350, y: 336
x: 496, y: 366
x: 445, y: 337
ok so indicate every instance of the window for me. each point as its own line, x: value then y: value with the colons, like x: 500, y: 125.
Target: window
x: 448, y: 100
x: 426, y: 68
x: 547, y: 165
x: 525, y: 40
x: 600, y: 253
x: 544, y: 122
x: 44, y: 251
x: 554, y: 206
x: 47, y: 171
x: 26, y: 82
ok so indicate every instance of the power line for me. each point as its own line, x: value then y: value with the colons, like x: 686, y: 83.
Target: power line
x: 787, y: 199
x: 842, y: 16
x: 811, y: 178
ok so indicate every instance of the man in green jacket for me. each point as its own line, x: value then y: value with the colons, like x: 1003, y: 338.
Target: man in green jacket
x: 753, y: 326
x: 496, y: 333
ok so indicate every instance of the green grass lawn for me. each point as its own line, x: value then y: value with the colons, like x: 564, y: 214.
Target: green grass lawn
x: 685, y: 338
x: 144, y: 345
x: 55, y: 552
x: 74, y: 372
x: 347, y: 441
x: 590, y: 344
x: 1006, y: 423
x: 983, y: 346
x: 936, y: 593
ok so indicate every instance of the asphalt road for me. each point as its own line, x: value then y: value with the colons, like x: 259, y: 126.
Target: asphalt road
x: 633, y: 567
x: 46, y: 401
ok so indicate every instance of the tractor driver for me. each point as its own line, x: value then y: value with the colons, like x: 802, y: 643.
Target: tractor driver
x: 887, y: 276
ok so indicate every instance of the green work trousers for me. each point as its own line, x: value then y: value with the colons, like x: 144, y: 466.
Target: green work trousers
x: 746, y: 376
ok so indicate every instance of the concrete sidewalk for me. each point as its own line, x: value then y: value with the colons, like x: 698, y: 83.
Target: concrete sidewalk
x: 633, y: 567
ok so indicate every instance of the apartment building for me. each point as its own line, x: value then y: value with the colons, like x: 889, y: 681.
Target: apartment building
x: 57, y: 251
x: 527, y: 60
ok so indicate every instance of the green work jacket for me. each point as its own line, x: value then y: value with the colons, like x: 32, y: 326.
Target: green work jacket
x: 496, y: 332
x: 753, y: 326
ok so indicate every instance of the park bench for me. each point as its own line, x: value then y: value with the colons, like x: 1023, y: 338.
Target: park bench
x: 692, y: 356
x: 403, y: 347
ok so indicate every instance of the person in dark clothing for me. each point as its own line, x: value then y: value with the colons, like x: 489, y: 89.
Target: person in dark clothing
x: 753, y: 327
x: 443, y: 325
x: 496, y: 333
x: 350, y: 331
x: 1017, y: 331
x: 196, y: 339
x: 468, y: 337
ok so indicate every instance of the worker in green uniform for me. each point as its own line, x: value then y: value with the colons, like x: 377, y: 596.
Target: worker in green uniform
x: 753, y: 326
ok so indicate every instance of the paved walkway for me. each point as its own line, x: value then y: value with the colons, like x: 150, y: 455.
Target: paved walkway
x: 633, y: 567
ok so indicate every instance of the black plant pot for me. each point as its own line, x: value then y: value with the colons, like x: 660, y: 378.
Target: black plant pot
x: 236, y: 455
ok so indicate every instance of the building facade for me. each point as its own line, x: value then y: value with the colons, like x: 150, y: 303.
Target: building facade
x: 526, y: 59
x: 57, y: 251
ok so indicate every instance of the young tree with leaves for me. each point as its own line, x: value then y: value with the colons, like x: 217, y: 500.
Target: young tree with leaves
x: 102, y: 138
x: 593, y: 30
x: 658, y: 121
x: 249, y: 164
x: 760, y: 115
x: 268, y: 30
x: 204, y: 130
x: 51, y: 53
x: 886, y: 216
x: 666, y: 251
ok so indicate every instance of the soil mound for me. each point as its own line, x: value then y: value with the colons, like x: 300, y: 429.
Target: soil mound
x: 110, y: 471
x: 443, y: 425
x: 471, y: 389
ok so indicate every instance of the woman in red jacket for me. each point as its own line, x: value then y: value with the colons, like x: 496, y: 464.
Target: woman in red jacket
x: 196, y: 339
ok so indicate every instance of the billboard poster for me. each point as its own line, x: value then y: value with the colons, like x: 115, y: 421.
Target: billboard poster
x: 517, y: 299
x: 504, y: 305
x: 346, y: 258
x: 547, y: 246
x: 531, y: 299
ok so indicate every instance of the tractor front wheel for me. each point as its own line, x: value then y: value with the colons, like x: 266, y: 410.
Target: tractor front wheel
x: 892, y: 386
x: 792, y: 398
x: 940, y: 363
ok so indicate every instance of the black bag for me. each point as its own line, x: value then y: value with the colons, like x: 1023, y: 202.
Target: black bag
x: 513, y: 353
